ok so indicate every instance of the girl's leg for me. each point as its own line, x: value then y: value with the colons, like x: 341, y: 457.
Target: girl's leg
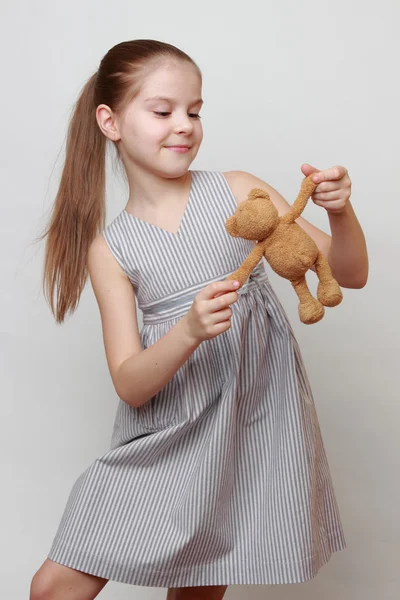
x: 56, y: 582
x: 207, y: 592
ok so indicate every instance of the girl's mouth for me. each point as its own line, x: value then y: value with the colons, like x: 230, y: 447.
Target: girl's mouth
x: 180, y: 149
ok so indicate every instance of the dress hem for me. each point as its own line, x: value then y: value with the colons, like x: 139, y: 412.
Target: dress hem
x: 202, y: 576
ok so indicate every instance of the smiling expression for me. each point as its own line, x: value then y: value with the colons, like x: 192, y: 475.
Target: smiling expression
x: 160, y: 130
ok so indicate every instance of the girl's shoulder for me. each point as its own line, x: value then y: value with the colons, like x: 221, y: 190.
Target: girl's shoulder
x: 239, y: 183
x: 236, y: 183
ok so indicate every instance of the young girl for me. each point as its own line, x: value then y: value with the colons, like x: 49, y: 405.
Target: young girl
x: 217, y: 473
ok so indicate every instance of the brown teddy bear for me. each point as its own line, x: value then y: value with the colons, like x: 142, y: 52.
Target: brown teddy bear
x: 289, y: 250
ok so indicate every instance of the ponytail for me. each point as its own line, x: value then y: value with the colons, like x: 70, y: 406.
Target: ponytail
x: 79, y: 209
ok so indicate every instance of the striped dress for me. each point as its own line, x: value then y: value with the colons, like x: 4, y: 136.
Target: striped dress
x: 221, y: 478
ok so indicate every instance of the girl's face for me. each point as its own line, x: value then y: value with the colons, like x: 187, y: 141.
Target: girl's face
x: 162, y: 118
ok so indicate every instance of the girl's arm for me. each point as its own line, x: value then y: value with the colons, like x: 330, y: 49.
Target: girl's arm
x: 345, y: 249
x: 142, y: 375
x: 137, y: 374
x: 347, y: 254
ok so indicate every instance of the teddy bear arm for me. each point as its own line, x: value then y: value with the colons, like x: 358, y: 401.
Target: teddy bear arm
x: 243, y: 272
x: 298, y: 206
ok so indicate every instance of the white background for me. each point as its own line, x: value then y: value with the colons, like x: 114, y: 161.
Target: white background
x: 285, y: 83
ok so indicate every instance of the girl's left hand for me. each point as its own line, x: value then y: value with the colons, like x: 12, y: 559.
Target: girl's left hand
x: 333, y: 190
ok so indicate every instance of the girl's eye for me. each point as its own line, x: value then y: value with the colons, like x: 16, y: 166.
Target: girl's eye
x: 165, y: 114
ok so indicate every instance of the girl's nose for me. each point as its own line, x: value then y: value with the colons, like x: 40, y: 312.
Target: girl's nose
x: 184, y: 125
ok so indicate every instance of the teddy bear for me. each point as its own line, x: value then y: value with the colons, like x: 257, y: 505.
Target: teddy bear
x: 288, y: 249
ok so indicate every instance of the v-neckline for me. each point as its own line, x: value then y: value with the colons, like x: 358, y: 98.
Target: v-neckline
x: 183, y: 218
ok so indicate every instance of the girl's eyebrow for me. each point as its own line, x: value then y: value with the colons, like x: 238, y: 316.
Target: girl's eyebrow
x: 199, y: 101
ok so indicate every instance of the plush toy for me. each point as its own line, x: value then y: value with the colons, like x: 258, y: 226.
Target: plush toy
x: 289, y: 250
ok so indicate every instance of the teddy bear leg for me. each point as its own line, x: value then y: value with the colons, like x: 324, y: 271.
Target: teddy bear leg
x: 328, y: 292
x: 310, y: 309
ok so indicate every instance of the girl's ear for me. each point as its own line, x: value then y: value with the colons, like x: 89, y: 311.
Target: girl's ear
x: 107, y: 122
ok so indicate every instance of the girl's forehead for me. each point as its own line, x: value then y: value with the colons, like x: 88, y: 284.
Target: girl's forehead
x: 168, y: 79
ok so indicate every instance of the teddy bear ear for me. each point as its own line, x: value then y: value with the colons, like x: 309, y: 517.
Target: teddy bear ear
x: 257, y: 193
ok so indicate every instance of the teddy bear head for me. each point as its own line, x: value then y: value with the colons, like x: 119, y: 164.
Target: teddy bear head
x: 255, y: 218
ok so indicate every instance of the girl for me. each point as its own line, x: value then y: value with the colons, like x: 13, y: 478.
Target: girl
x: 217, y: 473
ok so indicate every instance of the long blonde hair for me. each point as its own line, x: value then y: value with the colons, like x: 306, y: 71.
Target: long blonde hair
x: 79, y: 209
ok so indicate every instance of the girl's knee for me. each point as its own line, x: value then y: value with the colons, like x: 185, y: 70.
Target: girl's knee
x: 42, y: 586
x: 56, y: 582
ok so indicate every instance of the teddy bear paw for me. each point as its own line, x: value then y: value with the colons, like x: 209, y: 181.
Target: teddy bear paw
x: 329, y: 293
x: 311, y: 311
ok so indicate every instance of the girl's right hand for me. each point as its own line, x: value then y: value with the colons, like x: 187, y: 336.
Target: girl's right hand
x: 210, y: 314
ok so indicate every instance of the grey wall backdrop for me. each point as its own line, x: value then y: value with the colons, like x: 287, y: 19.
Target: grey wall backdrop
x: 284, y: 83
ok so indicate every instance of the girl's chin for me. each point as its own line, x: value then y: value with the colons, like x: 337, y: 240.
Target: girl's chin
x: 174, y: 171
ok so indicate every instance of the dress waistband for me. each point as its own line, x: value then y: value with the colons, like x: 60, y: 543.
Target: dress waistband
x: 178, y: 304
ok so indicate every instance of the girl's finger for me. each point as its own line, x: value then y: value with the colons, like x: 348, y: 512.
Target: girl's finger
x: 330, y: 174
x: 329, y: 196
x: 333, y: 206
x: 327, y: 186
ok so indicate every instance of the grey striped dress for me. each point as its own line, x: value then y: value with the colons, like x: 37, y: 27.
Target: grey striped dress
x: 221, y: 478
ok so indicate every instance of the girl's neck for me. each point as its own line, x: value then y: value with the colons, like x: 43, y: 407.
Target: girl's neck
x: 149, y: 193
